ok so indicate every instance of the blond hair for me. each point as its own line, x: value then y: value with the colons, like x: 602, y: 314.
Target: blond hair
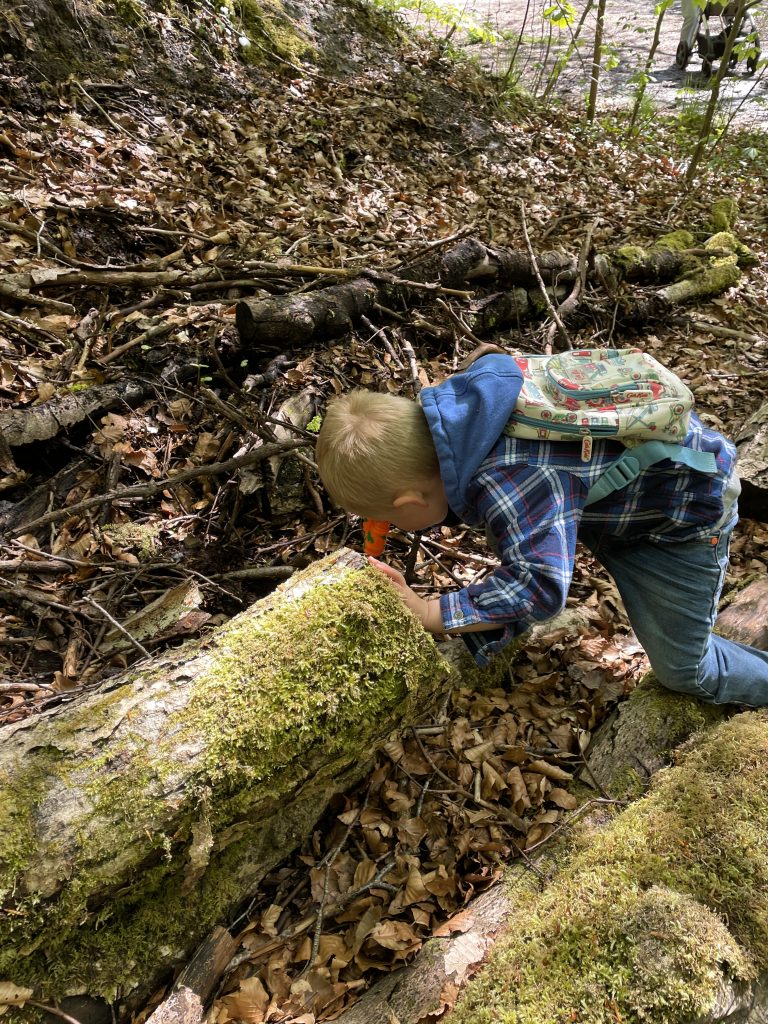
x: 372, y: 446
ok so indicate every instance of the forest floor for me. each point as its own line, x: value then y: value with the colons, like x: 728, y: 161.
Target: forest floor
x: 255, y: 173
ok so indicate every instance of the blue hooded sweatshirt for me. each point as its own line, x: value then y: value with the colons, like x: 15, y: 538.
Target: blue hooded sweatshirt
x: 466, y: 415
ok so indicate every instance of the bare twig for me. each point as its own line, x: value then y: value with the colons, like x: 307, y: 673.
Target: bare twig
x: 717, y: 330
x: 25, y: 327
x: 328, y: 862
x: 118, y: 128
x: 459, y: 323
x: 147, y: 490
x: 540, y: 279
x: 121, y: 629
x: 569, y: 304
x: 53, y: 1010
x: 412, y: 364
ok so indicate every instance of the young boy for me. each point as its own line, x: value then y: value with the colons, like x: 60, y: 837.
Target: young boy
x: 663, y: 537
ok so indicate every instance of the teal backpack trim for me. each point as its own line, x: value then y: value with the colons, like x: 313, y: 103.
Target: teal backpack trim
x: 634, y: 460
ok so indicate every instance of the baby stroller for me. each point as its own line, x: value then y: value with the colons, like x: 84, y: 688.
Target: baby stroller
x: 710, y: 46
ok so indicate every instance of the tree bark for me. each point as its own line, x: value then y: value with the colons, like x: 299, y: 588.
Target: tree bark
x: 752, y: 444
x: 135, y: 819
x: 41, y: 422
x: 297, y: 319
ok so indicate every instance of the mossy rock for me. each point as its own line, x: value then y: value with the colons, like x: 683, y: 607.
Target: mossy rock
x: 723, y: 214
x: 675, y: 241
x: 724, y: 240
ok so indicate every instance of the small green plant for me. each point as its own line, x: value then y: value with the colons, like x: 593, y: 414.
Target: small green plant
x: 560, y: 15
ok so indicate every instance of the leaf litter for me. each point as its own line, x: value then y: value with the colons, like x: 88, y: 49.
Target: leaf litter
x: 189, y: 204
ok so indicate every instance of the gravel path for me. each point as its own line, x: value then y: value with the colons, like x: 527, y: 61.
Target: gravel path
x: 629, y: 29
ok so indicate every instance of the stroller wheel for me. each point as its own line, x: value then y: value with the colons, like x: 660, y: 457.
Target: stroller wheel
x: 683, y: 55
x: 706, y: 68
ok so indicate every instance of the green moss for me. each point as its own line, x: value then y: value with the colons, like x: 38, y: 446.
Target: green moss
x: 314, y: 683
x: 675, y: 241
x: 628, y: 784
x: 268, y: 25
x: 725, y: 240
x: 131, y: 12
x: 628, y: 257
x: 287, y: 704
x: 669, y: 715
x: 139, y: 537
x: 706, y: 282
x: 652, y: 913
x: 723, y: 214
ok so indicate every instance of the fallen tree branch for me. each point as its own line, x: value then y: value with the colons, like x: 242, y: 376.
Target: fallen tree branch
x: 168, y: 793
x: 266, y: 451
x: 41, y: 422
x: 528, y: 279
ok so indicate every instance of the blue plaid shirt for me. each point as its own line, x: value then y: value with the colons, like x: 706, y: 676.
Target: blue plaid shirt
x: 530, y: 496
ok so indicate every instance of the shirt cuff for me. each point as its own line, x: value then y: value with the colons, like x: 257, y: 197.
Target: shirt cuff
x: 457, y: 610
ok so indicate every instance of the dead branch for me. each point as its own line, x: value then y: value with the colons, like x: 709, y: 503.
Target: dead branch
x: 238, y: 462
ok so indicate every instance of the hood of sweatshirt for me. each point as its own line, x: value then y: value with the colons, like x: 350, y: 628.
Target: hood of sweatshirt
x: 466, y: 414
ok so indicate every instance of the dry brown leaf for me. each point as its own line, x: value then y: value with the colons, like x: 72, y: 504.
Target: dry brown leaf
x: 14, y: 995
x: 551, y: 771
x: 567, y: 801
x: 249, y: 1003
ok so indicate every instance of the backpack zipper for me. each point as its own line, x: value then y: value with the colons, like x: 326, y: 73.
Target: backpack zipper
x: 564, y: 428
x: 581, y: 395
x: 586, y: 434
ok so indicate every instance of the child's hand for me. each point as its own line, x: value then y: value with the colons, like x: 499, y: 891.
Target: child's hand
x: 428, y: 612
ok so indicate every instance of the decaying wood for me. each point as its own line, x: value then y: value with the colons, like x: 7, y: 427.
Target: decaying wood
x: 423, y: 990
x: 638, y: 737
x: 41, y: 422
x: 752, y: 444
x: 197, y: 981
x: 299, y: 318
x: 169, y: 792
x: 296, y: 319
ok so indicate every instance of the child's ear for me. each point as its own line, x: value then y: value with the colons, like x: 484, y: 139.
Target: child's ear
x: 406, y: 498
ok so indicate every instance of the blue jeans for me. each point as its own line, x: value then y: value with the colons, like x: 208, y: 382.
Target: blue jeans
x: 670, y: 592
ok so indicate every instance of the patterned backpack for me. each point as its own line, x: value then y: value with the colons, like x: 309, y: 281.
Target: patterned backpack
x: 608, y: 394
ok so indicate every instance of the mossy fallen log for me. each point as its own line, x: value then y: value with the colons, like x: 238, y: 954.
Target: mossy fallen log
x: 693, y: 273
x: 136, y: 818
x: 661, y: 915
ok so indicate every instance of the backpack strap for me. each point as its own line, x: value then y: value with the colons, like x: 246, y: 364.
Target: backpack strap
x: 634, y: 460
